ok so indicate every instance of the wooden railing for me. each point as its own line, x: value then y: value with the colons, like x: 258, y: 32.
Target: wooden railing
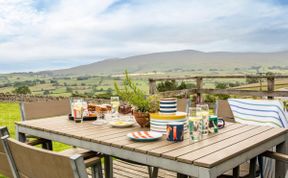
x: 199, y: 90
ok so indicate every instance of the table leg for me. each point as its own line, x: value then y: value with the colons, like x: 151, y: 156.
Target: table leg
x: 281, y: 169
x: 252, y: 168
x: 20, y: 136
x: 236, y: 172
x: 108, y: 166
x: 181, y: 175
x: 48, y: 145
x: 155, y: 172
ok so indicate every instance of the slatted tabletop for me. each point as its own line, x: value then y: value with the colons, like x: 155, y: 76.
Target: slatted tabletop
x: 210, y: 152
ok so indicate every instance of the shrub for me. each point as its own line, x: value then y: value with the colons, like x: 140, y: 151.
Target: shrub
x: 22, y: 90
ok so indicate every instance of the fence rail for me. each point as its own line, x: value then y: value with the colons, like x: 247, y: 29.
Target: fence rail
x: 199, y: 90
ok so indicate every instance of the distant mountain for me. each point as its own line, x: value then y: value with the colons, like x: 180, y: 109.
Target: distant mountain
x: 179, y: 60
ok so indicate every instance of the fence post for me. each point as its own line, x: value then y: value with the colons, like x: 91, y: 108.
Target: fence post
x: 270, y: 85
x: 152, y: 87
x: 199, y: 85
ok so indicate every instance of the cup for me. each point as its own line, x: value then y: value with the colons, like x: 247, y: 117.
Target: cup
x: 78, y: 115
x: 194, y: 123
x: 115, y: 103
x: 175, y: 132
x: 213, y: 124
x: 205, y: 118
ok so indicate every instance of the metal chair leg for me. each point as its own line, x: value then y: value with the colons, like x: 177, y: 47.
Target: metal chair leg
x: 94, y: 171
x: 108, y: 161
x: 97, y: 170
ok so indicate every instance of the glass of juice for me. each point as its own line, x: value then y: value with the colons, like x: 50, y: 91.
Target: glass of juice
x: 115, y: 103
x: 205, y: 118
x: 194, y: 123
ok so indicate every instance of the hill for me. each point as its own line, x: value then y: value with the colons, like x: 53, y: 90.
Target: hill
x: 187, y: 60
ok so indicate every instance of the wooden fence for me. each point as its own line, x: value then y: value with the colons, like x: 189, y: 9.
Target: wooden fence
x: 199, y: 90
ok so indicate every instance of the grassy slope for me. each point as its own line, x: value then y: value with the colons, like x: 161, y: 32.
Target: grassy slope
x: 9, y: 114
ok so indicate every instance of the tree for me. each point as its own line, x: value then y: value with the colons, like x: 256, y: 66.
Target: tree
x: 69, y: 90
x: 182, y: 86
x: 22, y: 90
x: 221, y: 85
x: 46, y: 92
x: 167, y: 85
x: 252, y: 80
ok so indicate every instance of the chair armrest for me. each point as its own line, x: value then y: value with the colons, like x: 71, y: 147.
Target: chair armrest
x: 277, y: 156
x: 92, y: 161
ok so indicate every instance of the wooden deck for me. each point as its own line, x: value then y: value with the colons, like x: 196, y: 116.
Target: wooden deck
x: 127, y: 170
x: 123, y: 169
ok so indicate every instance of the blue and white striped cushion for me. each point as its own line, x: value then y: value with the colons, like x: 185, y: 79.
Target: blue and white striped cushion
x: 259, y: 112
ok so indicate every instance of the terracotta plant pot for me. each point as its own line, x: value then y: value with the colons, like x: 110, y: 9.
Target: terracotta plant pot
x: 125, y: 109
x: 142, y: 118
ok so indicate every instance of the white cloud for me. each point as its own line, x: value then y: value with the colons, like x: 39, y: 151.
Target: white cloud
x: 109, y: 28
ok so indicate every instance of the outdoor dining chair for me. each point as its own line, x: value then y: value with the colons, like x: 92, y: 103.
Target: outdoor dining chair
x: 223, y: 111
x: 4, y: 164
x: 253, y: 112
x: 30, y: 162
x: 42, y: 109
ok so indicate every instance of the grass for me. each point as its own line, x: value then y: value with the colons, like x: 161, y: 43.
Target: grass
x: 9, y: 114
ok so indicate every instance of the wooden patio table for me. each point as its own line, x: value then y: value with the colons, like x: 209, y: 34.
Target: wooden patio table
x: 208, y: 158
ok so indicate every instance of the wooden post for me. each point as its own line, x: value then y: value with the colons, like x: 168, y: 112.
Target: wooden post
x: 270, y: 85
x: 152, y: 87
x: 199, y: 85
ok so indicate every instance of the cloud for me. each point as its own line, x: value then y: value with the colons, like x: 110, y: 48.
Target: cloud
x: 74, y: 30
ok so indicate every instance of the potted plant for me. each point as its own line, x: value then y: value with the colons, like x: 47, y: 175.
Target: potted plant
x: 136, y: 97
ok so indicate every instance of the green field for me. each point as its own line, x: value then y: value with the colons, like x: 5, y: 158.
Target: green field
x: 9, y: 114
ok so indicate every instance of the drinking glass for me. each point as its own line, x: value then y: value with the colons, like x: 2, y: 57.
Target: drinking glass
x: 194, y: 123
x: 205, y: 118
x: 115, y: 103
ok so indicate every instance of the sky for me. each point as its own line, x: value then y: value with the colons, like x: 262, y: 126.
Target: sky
x: 49, y: 34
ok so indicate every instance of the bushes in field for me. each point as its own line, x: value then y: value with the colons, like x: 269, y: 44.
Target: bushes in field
x: 170, y: 85
x: 22, y: 90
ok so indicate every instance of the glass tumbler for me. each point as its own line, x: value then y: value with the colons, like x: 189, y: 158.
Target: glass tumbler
x: 194, y: 123
x: 205, y: 118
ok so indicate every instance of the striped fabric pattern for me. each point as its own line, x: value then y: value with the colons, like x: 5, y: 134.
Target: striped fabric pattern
x: 144, y: 135
x: 259, y: 112
x: 263, y: 113
x: 168, y: 105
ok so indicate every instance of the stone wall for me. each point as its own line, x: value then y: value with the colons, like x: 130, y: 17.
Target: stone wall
x: 32, y: 98
x: 27, y: 98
